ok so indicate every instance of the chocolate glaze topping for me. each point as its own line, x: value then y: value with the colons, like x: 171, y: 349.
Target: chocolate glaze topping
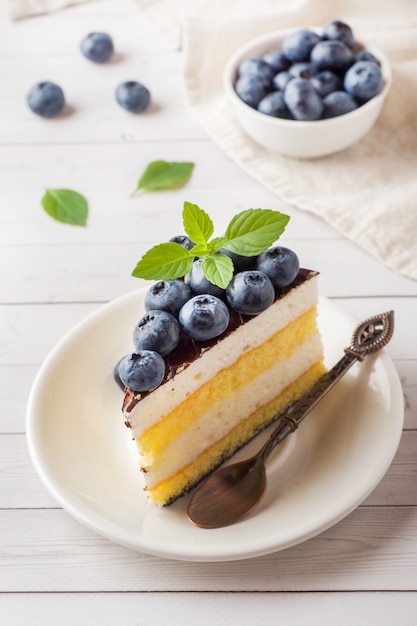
x: 188, y: 350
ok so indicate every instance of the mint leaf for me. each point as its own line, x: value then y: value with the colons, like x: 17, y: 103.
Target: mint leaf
x: 166, y: 261
x: 218, y: 269
x: 253, y: 231
x: 162, y: 175
x: 197, y: 224
x: 66, y: 206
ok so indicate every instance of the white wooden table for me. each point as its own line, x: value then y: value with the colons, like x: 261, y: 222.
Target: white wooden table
x: 53, y: 570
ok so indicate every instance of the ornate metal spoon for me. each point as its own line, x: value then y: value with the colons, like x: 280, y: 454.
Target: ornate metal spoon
x: 234, y: 490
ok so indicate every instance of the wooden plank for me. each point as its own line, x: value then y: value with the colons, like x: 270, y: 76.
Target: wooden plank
x: 205, y: 609
x: 374, y: 548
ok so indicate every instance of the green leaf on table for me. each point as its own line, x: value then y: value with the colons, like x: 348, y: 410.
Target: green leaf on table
x: 163, y: 175
x: 166, y: 261
x: 66, y: 206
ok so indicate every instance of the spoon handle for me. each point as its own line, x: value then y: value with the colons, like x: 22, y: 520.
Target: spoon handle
x: 370, y: 336
x: 302, y: 407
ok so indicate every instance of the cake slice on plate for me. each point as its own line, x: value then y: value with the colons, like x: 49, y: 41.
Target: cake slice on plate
x: 193, y: 399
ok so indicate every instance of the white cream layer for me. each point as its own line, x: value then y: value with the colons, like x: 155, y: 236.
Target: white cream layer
x: 165, y: 398
x: 226, y: 413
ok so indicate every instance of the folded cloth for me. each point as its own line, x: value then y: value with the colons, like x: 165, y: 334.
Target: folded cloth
x: 368, y: 191
x: 18, y: 9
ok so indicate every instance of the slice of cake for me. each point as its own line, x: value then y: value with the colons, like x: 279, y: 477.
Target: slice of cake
x: 214, y: 394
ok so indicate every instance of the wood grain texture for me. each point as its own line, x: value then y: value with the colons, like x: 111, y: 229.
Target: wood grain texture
x: 53, y: 570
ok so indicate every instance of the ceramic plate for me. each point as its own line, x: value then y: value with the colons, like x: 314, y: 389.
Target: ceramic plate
x: 85, y: 456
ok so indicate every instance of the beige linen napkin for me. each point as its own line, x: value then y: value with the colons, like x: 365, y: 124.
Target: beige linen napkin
x: 369, y: 191
x: 19, y: 9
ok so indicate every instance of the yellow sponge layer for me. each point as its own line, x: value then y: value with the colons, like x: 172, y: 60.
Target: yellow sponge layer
x: 189, y: 476
x: 227, y: 381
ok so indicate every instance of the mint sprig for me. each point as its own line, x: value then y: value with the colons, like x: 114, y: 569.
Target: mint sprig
x: 248, y: 234
x: 66, y: 206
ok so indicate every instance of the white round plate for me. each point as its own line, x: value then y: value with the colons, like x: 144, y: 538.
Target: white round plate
x: 86, y: 458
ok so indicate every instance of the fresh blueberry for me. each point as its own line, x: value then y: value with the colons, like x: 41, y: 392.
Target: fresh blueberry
x: 157, y: 330
x: 303, y: 100
x: 142, y: 371
x: 240, y: 262
x: 257, y: 67
x: 332, y: 55
x: 167, y: 295
x: 133, y: 96
x: 277, y: 60
x: 46, y: 99
x: 365, y: 55
x: 325, y: 82
x: 304, y: 69
x: 273, y: 104
x: 184, y: 241
x: 204, y: 317
x: 250, y: 293
x: 363, y: 80
x: 281, y: 79
x: 297, y: 45
x: 336, y: 29
x: 97, y: 47
x: 338, y: 103
x: 251, y: 89
x: 280, y: 264
x: 199, y: 283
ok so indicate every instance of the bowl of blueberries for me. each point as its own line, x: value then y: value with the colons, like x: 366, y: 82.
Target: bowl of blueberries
x: 307, y: 92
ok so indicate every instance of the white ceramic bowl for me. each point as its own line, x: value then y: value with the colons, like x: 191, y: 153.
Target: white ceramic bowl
x: 295, y: 138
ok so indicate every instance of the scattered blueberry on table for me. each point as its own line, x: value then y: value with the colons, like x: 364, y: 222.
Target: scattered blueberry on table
x: 312, y: 77
x: 133, y: 96
x: 46, y: 99
x: 97, y: 47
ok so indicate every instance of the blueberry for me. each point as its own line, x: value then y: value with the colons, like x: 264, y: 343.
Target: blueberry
x: 280, y: 264
x: 199, y: 283
x: 365, y: 55
x: 256, y: 67
x: 158, y: 331
x: 298, y: 44
x: 332, y: 55
x: 133, y: 96
x: 273, y: 104
x: 251, y: 89
x: 325, y: 82
x: 46, y: 99
x: 142, y: 371
x: 304, y: 69
x: 240, y: 262
x: 250, y: 293
x: 167, y: 295
x: 363, y: 80
x: 302, y: 100
x: 338, y: 103
x: 281, y: 79
x: 277, y: 60
x: 97, y: 47
x: 335, y: 29
x: 184, y: 241
x: 204, y: 317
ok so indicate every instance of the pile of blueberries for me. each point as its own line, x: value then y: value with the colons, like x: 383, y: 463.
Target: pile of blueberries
x: 312, y: 77
x: 198, y: 308
x: 47, y: 98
